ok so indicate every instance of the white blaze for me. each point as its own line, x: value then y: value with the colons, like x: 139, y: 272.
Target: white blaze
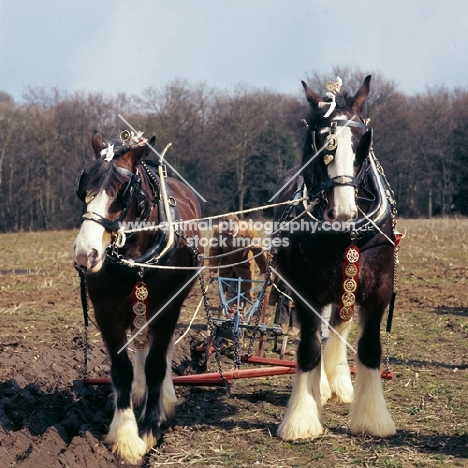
x: 90, y: 244
x: 343, y: 201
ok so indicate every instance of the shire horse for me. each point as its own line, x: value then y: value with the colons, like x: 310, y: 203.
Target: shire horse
x: 119, y: 187
x: 344, y: 204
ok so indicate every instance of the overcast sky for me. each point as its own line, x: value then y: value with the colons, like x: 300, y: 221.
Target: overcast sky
x: 111, y: 46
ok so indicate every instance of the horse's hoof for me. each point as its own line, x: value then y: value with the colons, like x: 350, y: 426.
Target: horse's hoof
x: 130, y: 450
x: 150, y: 440
x: 300, y: 431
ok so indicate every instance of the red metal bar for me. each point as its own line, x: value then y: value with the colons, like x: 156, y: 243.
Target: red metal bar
x: 213, y: 378
x: 268, y: 361
x: 280, y: 367
x: 387, y: 375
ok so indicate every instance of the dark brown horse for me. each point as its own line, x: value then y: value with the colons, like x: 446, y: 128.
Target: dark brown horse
x: 336, y: 246
x: 122, y: 187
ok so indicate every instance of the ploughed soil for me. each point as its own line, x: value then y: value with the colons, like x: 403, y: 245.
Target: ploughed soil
x: 50, y: 419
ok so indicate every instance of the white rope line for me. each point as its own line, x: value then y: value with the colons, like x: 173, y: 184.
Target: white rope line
x: 131, y: 264
x: 375, y: 225
x: 318, y: 314
x: 283, y: 226
x: 199, y: 270
x: 287, y: 296
x: 193, y: 318
x: 208, y: 218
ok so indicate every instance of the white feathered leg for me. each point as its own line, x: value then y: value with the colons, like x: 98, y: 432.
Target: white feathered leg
x: 336, y: 363
x: 302, y: 419
x: 369, y: 412
x: 325, y: 390
x: 123, y: 436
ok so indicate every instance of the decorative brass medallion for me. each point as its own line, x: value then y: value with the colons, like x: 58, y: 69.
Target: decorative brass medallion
x: 349, y: 286
x: 141, y: 341
x: 331, y: 142
x: 351, y: 270
x: 139, y: 320
x: 352, y: 255
x: 139, y: 308
x: 330, y: 86
x: 348, y: 299
x: 346, y: 313
x: 141, y: 293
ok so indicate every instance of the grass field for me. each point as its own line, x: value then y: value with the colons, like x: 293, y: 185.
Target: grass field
x: 428, y: 351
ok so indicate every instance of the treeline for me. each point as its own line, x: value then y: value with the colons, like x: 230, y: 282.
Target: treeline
x: 231, y: 145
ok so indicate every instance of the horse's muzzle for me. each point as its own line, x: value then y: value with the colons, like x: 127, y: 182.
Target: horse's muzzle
x: 88, y: 261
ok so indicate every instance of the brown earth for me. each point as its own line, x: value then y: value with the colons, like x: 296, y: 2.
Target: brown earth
x: 48, y: 419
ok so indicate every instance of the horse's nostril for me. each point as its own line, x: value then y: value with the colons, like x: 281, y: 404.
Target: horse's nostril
x: 332, y: 214
x: 93, y: 253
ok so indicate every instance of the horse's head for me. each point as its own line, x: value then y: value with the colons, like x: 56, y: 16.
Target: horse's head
x: 337, y: 144
x: 108, y: 187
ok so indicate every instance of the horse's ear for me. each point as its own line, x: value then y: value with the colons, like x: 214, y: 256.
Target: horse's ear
x: 141, y: 152
x: 97, y: 143
x: 312, y: 96
x: 361, y: 96
x: 364, y: 147
x: 150, y: 146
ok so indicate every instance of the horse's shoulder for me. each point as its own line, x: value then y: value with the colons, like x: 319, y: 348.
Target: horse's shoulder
x: 185, y: 197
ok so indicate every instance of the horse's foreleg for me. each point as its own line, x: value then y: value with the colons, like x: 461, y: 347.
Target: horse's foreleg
x: 302, y: 419
x: 336, y: 362
x: 139, y: 378
x: 369, y: 412
x: 159, y: 413
x: 123, y: 430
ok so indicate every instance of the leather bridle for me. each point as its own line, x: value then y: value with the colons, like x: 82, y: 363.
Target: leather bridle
x: 329, y: 149
x: 126, y: 196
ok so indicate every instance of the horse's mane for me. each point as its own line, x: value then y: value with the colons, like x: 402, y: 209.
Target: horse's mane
x: 102, y: 175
